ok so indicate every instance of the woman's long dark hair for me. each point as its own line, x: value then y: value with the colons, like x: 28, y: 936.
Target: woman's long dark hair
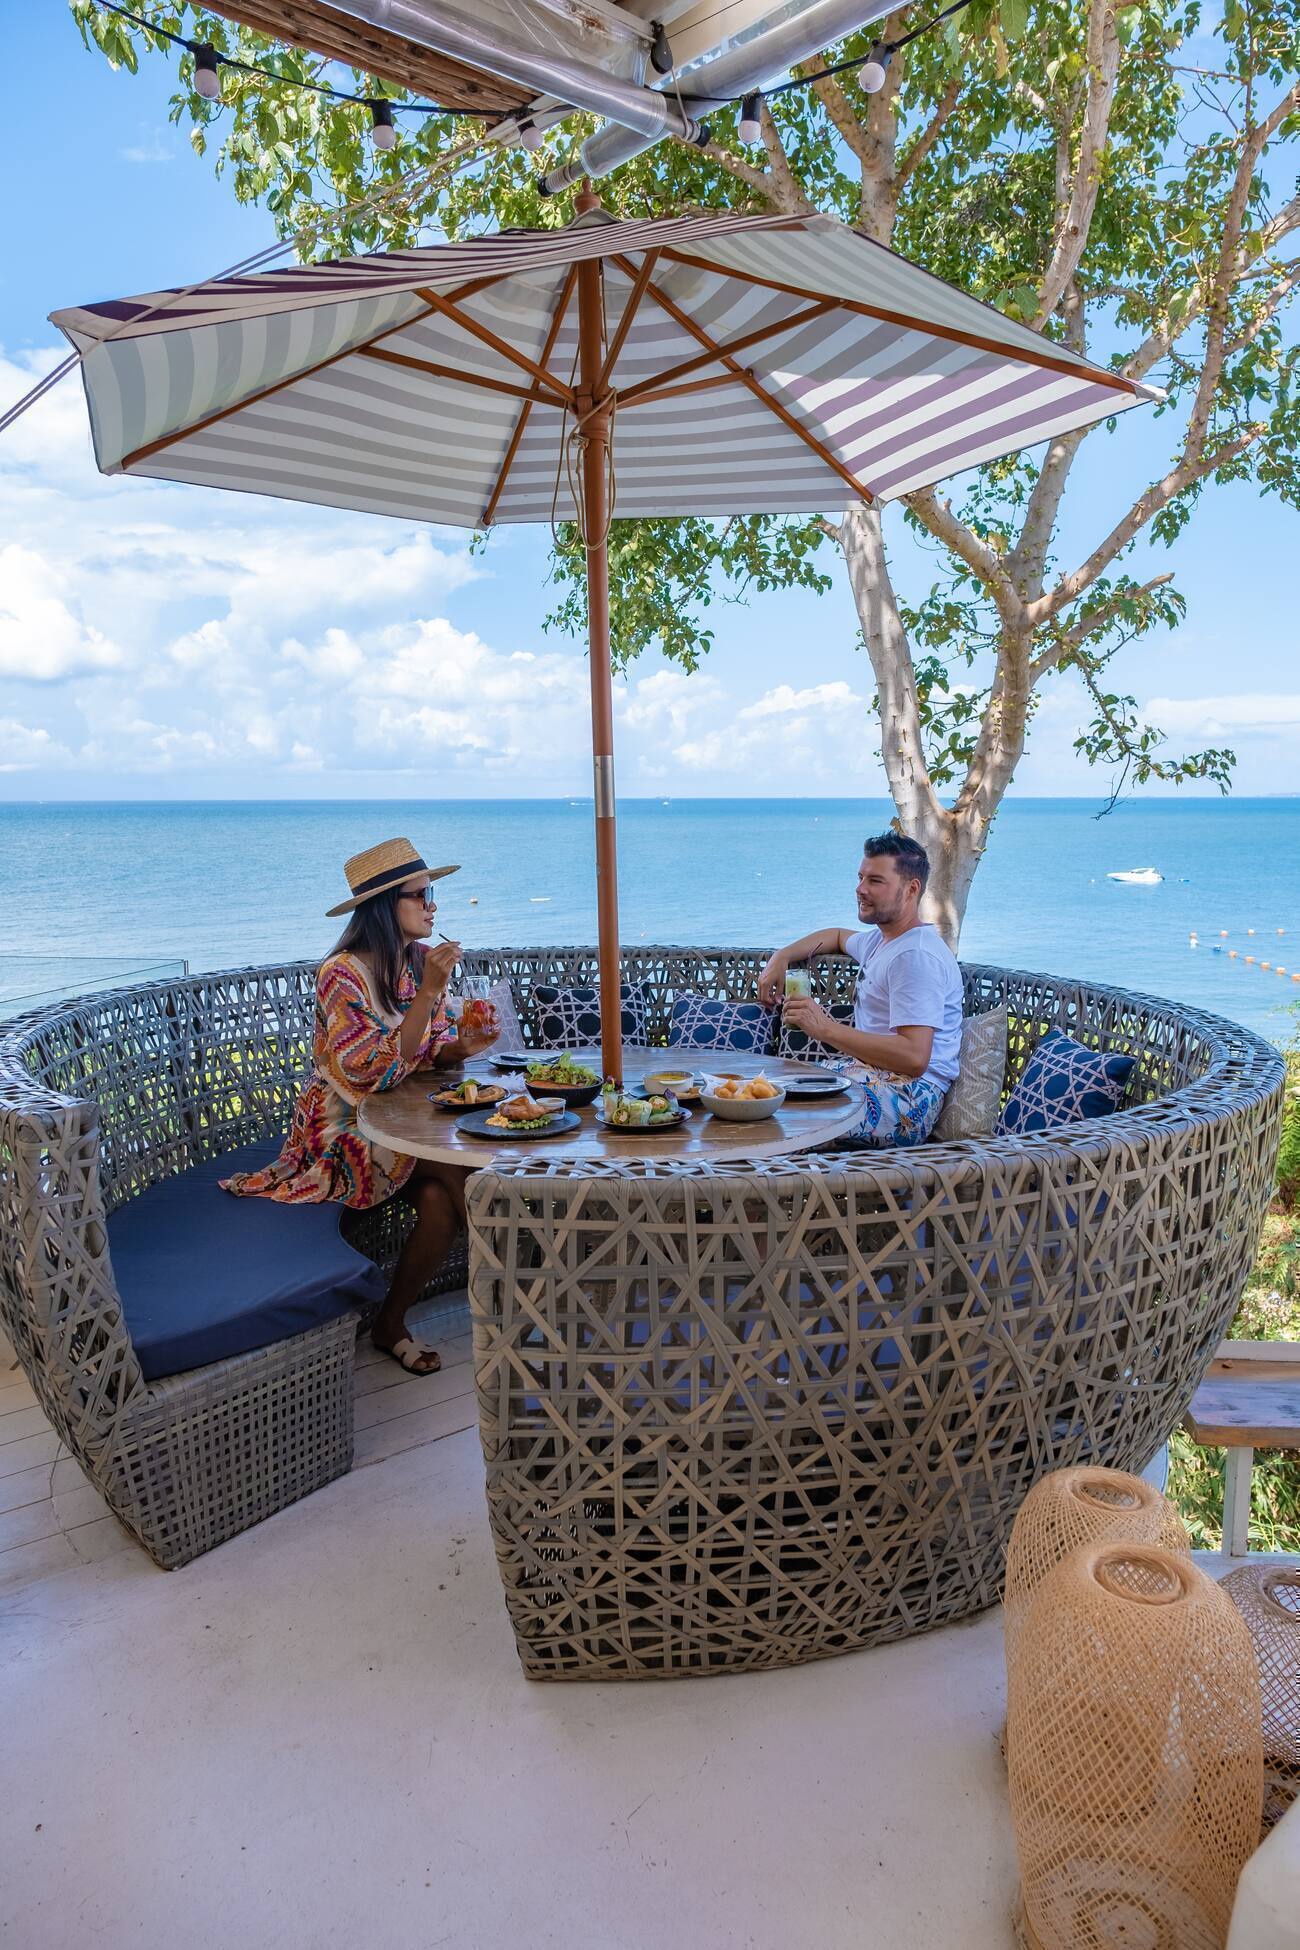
x: 375, y: 933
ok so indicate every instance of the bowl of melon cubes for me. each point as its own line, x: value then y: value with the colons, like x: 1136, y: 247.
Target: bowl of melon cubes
x: 743, y: 1100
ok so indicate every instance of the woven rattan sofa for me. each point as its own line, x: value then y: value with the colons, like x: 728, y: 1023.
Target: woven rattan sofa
x: 746, y: 1416
x: 101, y: 1100
x: 742, y: 1416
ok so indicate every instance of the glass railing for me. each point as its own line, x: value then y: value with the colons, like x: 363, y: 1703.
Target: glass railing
x: 31, y: 981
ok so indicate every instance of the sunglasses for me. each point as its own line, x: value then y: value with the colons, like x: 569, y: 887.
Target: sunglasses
x: 424, y: 895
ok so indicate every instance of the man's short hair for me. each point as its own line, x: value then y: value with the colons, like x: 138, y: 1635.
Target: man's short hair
x: 908, y: 856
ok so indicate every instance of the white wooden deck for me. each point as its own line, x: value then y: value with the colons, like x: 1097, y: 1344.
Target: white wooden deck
x: 52, y: 1519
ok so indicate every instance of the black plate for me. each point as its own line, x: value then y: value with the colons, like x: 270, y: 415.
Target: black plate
x: 643, y: 1130
x: 476, y: 1125
x: 807, y: 1087
x: 448, y: 1109
x: 510, y: 1059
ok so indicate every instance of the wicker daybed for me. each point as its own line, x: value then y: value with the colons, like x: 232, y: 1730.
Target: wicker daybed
x: 734, y: 1416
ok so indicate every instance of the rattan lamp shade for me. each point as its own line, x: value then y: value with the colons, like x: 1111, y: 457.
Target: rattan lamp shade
x: 1268, y: 1598
x: 1080, y: 1506
x: 1133, y: 1754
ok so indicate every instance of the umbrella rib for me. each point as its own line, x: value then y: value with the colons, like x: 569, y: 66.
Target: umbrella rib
x: 630, y: 310
x: 705, y: 385
x: 497, y: 345
x: 534, y: 397
x: 562, y: 306
x: 759, y: 391
x: 742, y: 344
x: 277, y: 386
x: 950, y: 332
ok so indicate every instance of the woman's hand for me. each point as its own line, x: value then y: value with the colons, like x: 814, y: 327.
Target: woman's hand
x: 474, y: 1037
x: 771, y: 982
x: 436, y: 973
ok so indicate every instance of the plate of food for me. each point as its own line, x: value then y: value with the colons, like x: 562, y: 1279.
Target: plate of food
x: 742, y: 1100
x: 561, y: 1075
x: 812, y: 1083
x: 633, y: 1113
x: 470, y: 1093
x: 520, y: 1117
x: 682, y: 1084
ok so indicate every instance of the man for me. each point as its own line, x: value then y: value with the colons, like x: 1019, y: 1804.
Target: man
x: 906, y: 1030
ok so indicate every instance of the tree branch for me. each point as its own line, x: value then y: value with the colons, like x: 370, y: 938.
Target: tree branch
x: 789, y: 195
x: 1161, y: 342
x: 938, y: 519
x: 1075, y: 220
x: 902, y: 742
x: 1089, y: 623
x: 919, y: 149
x: 1185, y: 475
x: 744, y: 172
x: 1282, y: 290
x: 836, y: 103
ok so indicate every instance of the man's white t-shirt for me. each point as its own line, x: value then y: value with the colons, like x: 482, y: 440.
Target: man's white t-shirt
x: 911, y: 981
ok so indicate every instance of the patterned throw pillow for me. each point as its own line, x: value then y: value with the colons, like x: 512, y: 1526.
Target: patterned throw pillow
x: 570, y: 1018
x: 970, y: 1108
x: 707, y: 1022
x: 803, y: 1048
x: 1063, y: 1083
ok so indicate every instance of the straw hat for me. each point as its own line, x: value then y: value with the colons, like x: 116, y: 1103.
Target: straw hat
x: 381, y: 867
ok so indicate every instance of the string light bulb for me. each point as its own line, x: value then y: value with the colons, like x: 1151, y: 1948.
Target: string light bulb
x: 874, y: 69
x: 530, y: 135
x: 751, y: 127
x: 382, y: 132
x: 207, y: 71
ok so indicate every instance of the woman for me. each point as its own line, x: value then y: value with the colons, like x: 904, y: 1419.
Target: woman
x: 380, y: 1016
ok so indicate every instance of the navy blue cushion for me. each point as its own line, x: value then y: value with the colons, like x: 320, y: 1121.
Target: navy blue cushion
x: 797, y: 1043
x: 1064, y: 1083
x: 707, y: 1022
x: 570, y: 1018
x: 204, y: 1275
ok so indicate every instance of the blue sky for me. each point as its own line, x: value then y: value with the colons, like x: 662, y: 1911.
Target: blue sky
x: 167, y: 642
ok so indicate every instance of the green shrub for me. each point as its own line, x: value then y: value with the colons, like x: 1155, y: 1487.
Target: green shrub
x: 1288, y: 1157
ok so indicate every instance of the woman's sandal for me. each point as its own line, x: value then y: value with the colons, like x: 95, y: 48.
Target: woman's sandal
x: 411, y: 1355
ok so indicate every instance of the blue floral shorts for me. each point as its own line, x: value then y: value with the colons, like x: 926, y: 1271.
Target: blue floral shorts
x: 898, y: 1111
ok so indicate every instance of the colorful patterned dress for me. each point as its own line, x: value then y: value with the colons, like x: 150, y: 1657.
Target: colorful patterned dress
x: 355, y: 1050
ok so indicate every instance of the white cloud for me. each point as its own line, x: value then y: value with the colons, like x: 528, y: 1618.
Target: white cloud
x: 782, y: 701
x: 23, y: 747
x: 1220, y: 717
x: 41, y: 637
x: 152, y: 149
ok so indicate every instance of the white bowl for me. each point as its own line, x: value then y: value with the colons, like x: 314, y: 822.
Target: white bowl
x: 740, y: 1110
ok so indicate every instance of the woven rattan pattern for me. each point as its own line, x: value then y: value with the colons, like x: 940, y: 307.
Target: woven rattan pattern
x: 1268, y: 1598
x: 1133, y: 1753
x: 749, y: 1416
x: 1070, y: 1507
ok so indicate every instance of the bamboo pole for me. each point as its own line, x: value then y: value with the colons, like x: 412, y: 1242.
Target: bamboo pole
x: 594, y: 424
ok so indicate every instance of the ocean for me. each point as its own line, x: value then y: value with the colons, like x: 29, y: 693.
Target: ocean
x: 218, y: 884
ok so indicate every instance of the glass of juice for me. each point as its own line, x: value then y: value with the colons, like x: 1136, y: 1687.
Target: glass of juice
x: 798, y: 980
x: 476, y: 1012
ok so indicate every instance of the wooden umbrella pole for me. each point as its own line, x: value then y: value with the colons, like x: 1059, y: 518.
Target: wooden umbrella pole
x: 593, y: 420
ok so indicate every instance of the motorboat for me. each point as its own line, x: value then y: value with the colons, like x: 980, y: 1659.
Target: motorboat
x: 1138, y: 877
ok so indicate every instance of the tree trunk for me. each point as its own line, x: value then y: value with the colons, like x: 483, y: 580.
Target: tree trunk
x: 953, y: 838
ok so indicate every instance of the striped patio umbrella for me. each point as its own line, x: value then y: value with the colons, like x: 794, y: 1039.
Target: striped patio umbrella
x: 702, y: 364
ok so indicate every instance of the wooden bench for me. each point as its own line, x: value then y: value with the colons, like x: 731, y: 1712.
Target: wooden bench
x: 1249, y: 1400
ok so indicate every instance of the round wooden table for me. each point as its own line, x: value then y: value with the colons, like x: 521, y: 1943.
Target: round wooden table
x: 404, y: 1120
